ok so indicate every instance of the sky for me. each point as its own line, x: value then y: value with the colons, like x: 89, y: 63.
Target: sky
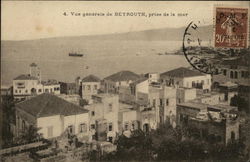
x: 27, y: 20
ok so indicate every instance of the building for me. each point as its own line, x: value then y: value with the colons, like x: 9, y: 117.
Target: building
x: 29, y: 85
x: 212, y: 122
x: 6, y: 90
x: 53, y: 116
x: 68, y: 88
x: 90, y: 86
x: 104, y: 121
x: 112, y: 83
x: 140, y: 86
x: 163, y: 100
x: 233, y: 70
x: 25, y: 86
x: 229, y: 90
x: 50, y: 86
x: 72, y: 98
x: 35, y: 71
x: 211, y: 98
x: 184, y: 77
x: 152, y: 77
x: 185, y: 94
x: 129, y: 118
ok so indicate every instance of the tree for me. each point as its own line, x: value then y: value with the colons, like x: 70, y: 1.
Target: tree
x: 29, y: 135
x: 8, y: 117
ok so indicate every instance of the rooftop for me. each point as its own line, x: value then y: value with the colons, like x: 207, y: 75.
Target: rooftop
x: 91, y: 78
x: 195, y: 105
x: 182, y: 72
x: 123, y: 76
x: 141, y: 79
x: 25, y: 77
x: 228, y: 84
x: 50, y: 82
x: 48, y: 105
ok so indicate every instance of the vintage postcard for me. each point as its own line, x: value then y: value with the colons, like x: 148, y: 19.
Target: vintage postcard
x: 125, y: 81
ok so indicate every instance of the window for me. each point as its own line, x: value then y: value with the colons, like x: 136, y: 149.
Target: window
x: 93, y: 113
x: 89, y: 87
x: 23, y: 125
x: 83, y: 128
x: 110, y: 107
x: 133, y: 126
x: 20, y: 91
x: 46, y: 90
x: 193, y: 84
x: 154, y: 103
x: 92, y: 126
x: 232, y: 136
x: 110, y: 126
x: 50, y: 131
x: 71, y: 129
x: 225, y: 72
x: 51, y: 89
x: 246, y: 74
x: 231, y: 74
x: 126, y: 126
x: 39, y: 90
x: 242, y: 74
x: 167, y: 102
x: 16, y: 91
x: 236, y: 75
x: 54, y: 88
x: 161, y: 103
x: 95, y: 87
x: 26, y: 91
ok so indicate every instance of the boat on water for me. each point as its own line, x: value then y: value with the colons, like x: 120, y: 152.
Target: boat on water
x: 76, y: 54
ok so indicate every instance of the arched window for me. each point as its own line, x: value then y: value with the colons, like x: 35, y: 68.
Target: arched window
x: 236, y: 74
x: 231, y: 74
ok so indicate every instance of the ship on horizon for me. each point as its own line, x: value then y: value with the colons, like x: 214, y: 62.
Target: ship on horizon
x: 75, y: 54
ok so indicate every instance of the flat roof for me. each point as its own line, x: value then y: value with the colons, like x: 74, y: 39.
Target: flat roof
x: 195, y: 105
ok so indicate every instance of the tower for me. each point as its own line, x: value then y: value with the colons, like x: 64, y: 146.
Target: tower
x: 35, y: 71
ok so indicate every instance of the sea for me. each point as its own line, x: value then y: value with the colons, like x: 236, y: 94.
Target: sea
x: 101, y: 58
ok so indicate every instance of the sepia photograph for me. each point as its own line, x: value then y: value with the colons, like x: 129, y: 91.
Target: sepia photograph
x: 125, y: 81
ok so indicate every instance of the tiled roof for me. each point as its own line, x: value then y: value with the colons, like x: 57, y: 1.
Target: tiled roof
x: 48, y: 105
x: 182, y: 72
x: 141, y: 79
x: 123, y: 76
x: 25, y: 77
x: 91, y: 78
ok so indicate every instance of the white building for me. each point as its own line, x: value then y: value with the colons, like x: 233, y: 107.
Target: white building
x: 112, y: 83
x: 25, y: 86
x: 90, y: 86
x: 152, y: 77
x: 104, y: 119
x: 184, y: 77
x: 53, y: 116
x: 29, y: 85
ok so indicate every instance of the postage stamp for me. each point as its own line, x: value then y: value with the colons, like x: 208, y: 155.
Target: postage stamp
x: 231, y: 27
